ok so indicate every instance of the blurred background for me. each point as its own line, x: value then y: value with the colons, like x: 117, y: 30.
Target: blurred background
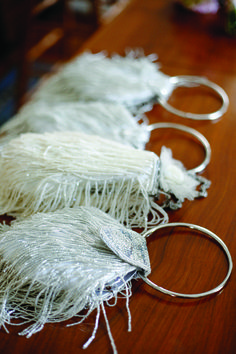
x: 36, y: 34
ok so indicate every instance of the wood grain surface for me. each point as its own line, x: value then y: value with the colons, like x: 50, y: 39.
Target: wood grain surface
x: 189, y: 44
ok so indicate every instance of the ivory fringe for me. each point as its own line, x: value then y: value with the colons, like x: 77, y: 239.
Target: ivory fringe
x: 44, y: 172
x: 133, y: 80
x: 108, y: 120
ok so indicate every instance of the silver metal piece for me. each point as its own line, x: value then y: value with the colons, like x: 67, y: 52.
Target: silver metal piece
x: 198, y: 136
x: 211, y: 235
x: 188, y: 81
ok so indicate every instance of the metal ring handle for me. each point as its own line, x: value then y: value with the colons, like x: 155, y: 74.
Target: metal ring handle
x: 208, y: 233
x: 188, y: 81
x: 192, y: 132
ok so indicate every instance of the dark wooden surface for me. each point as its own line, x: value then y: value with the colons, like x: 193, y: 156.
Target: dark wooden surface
x: 186, y: 44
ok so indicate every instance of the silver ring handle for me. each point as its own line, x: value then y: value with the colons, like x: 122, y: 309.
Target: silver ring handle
x: 209, y: 234
x: 188, y: 81
x: 198, y: 136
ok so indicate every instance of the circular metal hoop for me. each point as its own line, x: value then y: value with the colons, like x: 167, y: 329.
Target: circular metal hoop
x: 198, y: 136
x: 209, y: 234
x: 188, y: 81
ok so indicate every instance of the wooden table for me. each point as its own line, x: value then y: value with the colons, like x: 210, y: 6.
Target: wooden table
x: 186, y: 43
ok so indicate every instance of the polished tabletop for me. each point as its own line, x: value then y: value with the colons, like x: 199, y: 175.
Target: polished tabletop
x: 184, y: 261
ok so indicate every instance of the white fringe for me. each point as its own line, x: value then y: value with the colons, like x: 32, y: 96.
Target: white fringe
x: 45, y: 172
x: 130, y: 80
x: 174, y: 179
x: 56, y: 264
x: 109, y: 120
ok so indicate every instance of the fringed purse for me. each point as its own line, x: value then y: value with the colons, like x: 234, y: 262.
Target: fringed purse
x: 134, y: 81
x: 55, y: 265
x: 45, y: 172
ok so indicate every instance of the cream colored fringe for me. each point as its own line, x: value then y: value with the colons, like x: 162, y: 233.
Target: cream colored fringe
x: 131, y: 80
x: 57, y: 264
x: 112, y: 121
x: 44, y: 172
